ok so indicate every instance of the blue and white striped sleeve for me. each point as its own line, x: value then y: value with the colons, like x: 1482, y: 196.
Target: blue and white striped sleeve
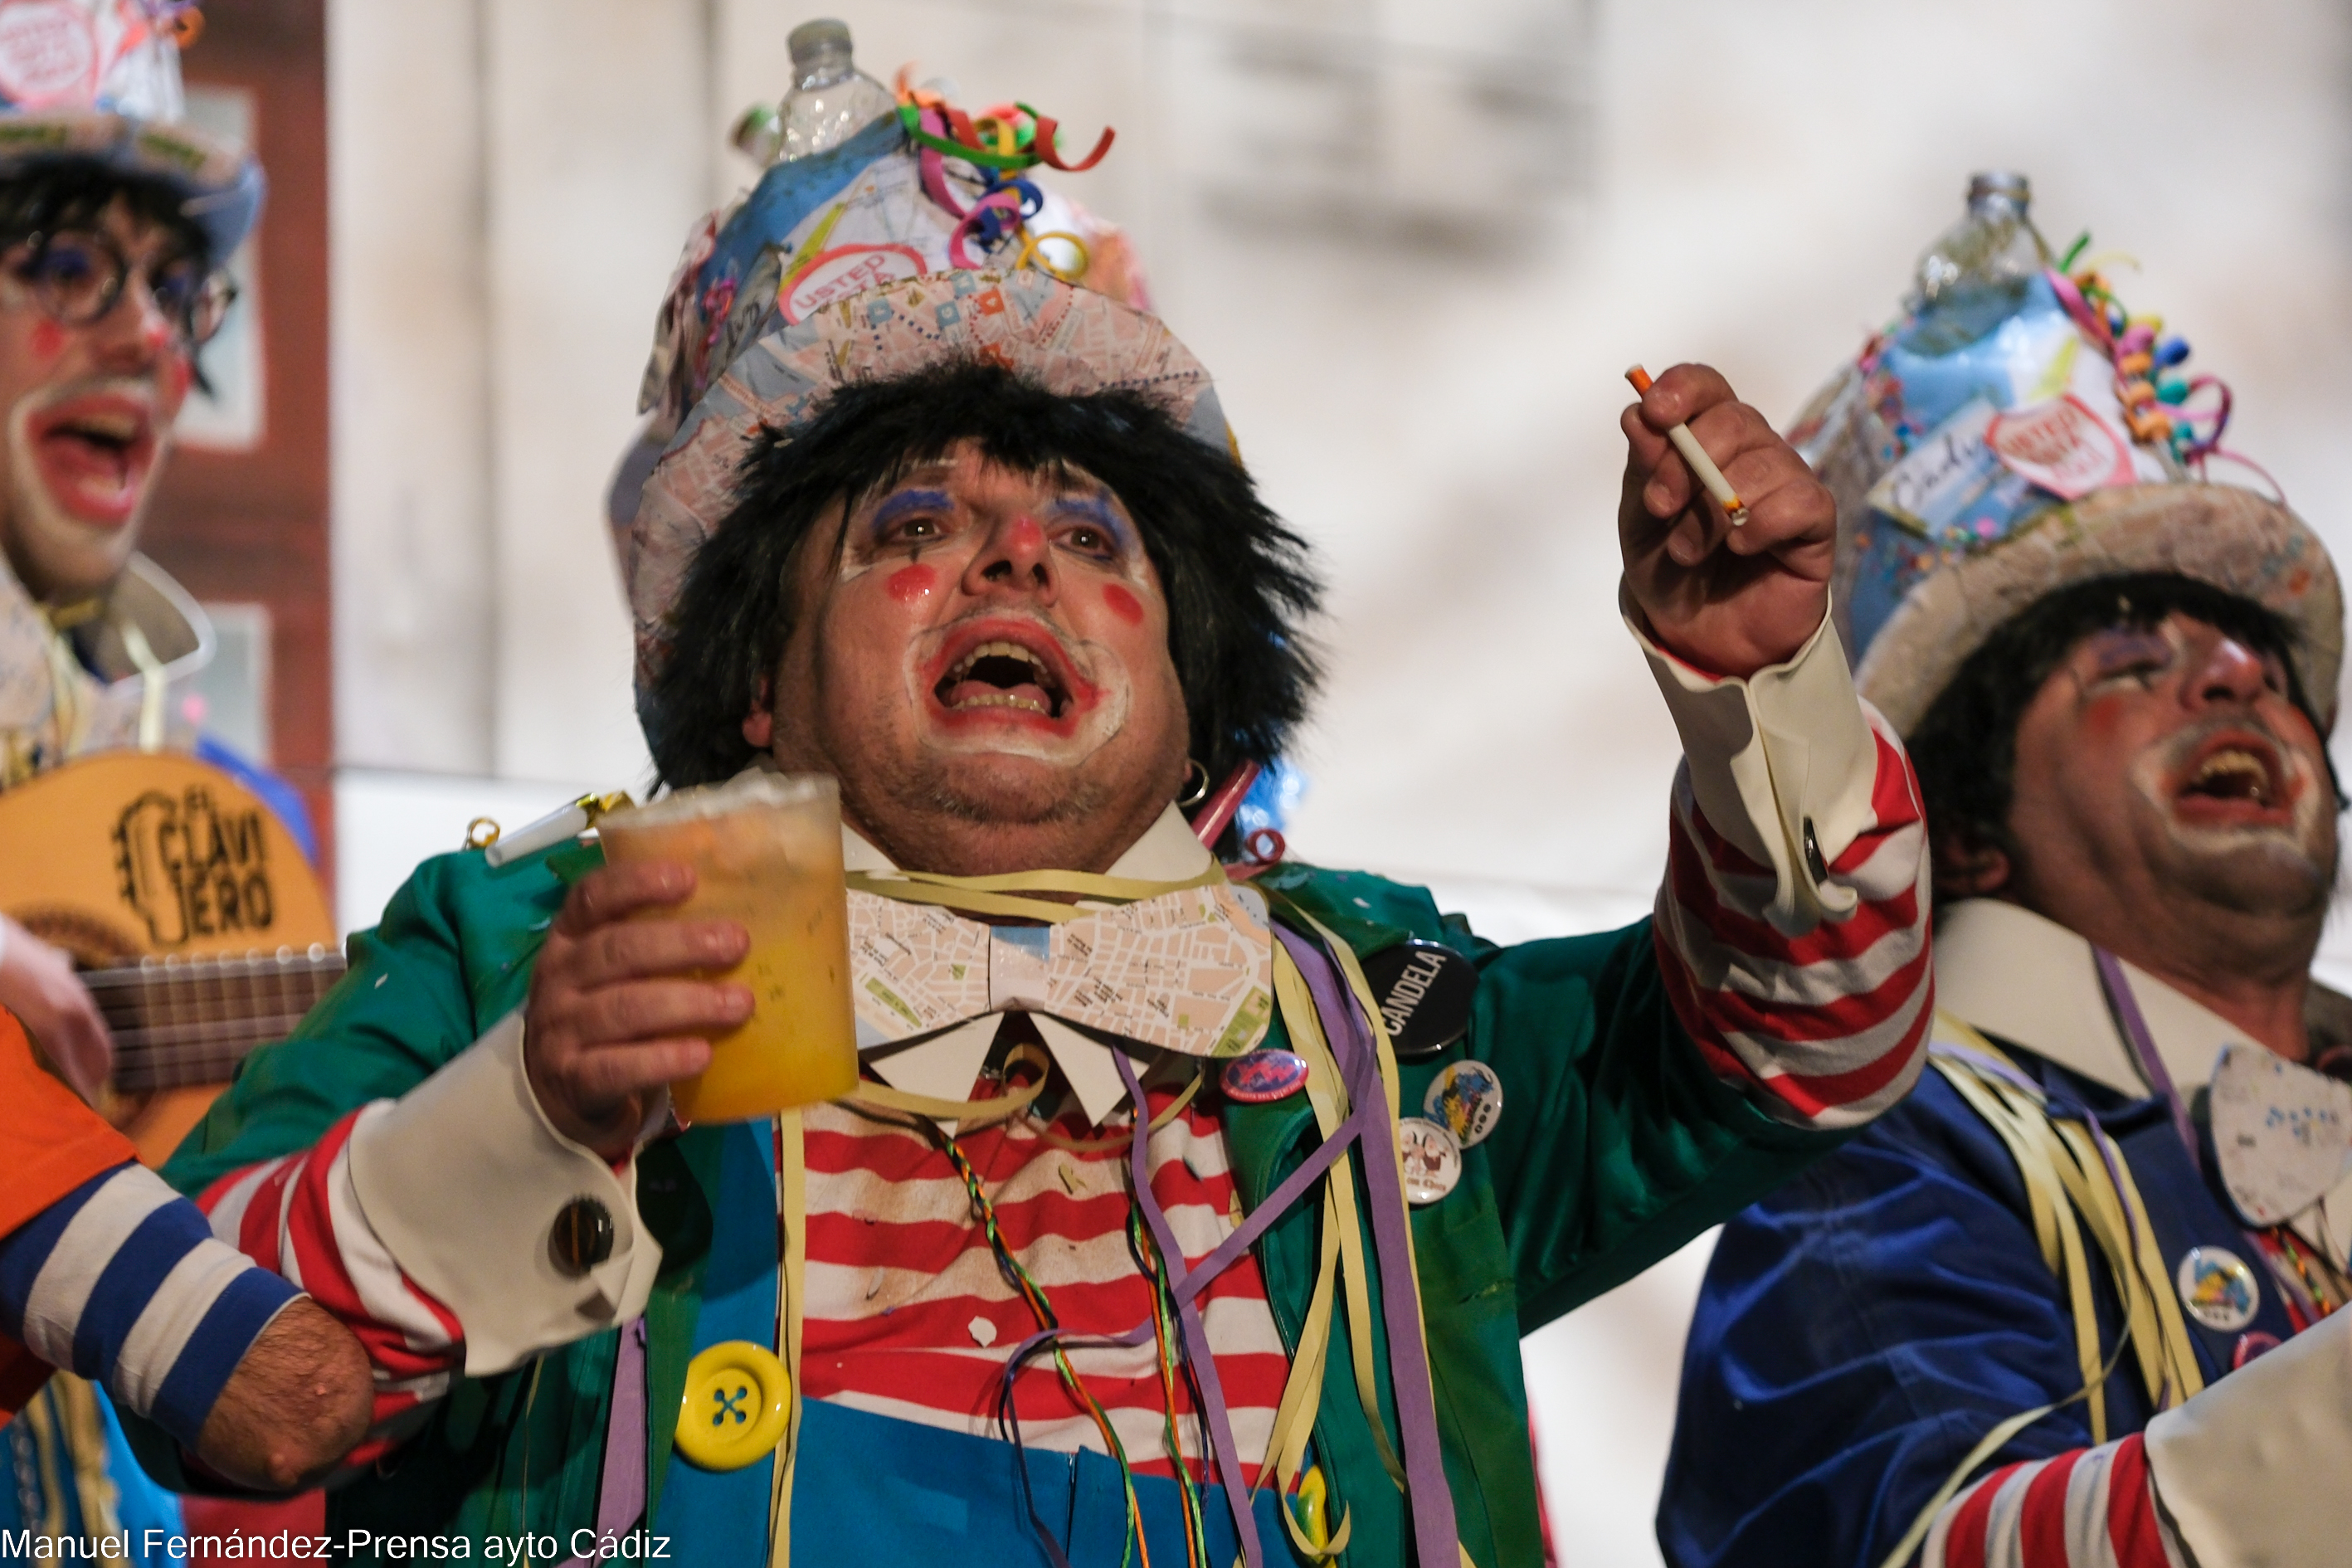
x: 121, y: 1282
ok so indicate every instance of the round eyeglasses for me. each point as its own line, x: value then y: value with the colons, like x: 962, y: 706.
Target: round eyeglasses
x: 77, y: 276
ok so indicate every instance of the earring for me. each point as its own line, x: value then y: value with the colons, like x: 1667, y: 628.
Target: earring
x: 1195, y: 794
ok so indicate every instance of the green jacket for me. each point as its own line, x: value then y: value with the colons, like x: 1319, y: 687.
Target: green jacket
x: 1616, y: 1146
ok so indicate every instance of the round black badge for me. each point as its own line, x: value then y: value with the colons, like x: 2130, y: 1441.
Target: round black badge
x: 1423, y: 991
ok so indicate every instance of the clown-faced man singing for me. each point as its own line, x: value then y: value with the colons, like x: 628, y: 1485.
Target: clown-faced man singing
x: 2065, y: 1304
x: 975, y: 543
x: 116, y: 228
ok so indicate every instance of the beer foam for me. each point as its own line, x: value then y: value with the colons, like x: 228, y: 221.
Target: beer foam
x: 746, y: 791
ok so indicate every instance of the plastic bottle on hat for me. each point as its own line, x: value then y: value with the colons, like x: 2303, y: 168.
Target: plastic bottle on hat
x: 1978, y: 271
x: 831, y: 99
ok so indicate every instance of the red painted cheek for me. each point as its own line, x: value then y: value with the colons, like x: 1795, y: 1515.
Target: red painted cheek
x: 912, y: 585
x: 48, y: 339
x: 178, y: 373
x: 1124, y: 605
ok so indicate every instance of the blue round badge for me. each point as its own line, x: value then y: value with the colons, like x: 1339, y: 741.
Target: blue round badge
x: 2218, y: 1289
x: 1260, y: 1076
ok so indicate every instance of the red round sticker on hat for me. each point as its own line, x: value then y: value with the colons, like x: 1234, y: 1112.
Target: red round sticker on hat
x: 844, y: 270
x: 49, y: 52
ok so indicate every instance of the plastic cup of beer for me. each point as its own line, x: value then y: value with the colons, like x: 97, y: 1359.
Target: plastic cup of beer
x: 766, y: 853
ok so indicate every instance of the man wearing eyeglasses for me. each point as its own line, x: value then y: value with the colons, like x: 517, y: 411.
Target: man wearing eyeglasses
x: 115, y: 223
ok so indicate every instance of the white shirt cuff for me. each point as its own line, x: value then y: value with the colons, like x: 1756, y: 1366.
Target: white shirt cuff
x: 2243, y: 1470
x: 463, y: 1178
x: 1783, y: 763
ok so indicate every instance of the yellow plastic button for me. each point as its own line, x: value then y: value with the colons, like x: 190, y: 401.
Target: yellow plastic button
x: 738, y: 1402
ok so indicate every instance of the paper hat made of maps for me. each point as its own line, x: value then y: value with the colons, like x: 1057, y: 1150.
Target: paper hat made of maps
x: 2062, y: 442
x: 1070, y: 340
x: 902, y: 247
x: 99, y: 82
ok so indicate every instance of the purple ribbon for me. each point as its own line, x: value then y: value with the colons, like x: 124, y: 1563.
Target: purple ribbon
x: 622, y: 1496
x: 2142, y: 1041
x: 1367, y: 1123
x: 2134, y: 1024
x: 1196, y: 1333
x: 1416, y: 1398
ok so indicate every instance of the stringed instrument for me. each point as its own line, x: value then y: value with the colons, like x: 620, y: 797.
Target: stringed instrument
x: 199, y: 926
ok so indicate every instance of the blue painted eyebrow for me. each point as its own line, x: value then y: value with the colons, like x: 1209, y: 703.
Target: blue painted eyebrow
x: 1096, y: 509
x: 904, y: 501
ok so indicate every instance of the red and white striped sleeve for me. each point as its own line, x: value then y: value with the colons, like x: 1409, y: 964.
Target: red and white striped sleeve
x: 299, y: 1216
x: 425, y: 1223
x: 2087, y: 1508
x: 2235, y: 1476
x: 1791, y: 926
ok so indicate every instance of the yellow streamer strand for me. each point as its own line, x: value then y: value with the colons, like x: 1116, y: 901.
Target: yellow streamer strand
x: 792, y: 1207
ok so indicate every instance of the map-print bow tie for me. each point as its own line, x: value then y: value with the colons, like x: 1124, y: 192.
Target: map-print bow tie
x: 1188, y: 968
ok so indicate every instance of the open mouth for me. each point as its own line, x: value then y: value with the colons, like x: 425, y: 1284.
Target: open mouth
x: 2237, y: 778
x: 1008, y: 670
x: 1003, y: 674
x: 95, y: 454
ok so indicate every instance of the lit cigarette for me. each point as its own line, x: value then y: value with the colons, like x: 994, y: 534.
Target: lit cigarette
x: 1696, y: 456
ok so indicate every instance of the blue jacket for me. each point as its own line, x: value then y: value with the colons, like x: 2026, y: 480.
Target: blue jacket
x: 1862, y: 1328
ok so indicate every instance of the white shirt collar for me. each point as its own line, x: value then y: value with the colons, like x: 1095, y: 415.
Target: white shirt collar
x: 2028, y: 980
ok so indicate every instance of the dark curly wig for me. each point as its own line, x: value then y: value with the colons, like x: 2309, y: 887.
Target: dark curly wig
x: 1238, y: 586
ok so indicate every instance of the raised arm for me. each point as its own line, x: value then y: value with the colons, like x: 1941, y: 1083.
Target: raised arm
x: 1663, y: 1078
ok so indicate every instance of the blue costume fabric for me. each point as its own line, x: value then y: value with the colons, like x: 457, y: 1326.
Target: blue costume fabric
x: 40, y: 1482
x: 1862, y: 1328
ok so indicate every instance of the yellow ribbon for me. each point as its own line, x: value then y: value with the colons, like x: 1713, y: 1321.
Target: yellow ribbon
x: 999, y: 895
x: 2065, y: 1165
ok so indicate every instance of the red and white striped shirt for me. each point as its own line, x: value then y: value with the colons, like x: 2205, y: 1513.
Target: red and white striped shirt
x: 908, y: 1314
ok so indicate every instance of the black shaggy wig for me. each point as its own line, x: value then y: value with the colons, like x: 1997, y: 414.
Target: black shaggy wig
x: 1238, y: 588
x: 1965, y: 749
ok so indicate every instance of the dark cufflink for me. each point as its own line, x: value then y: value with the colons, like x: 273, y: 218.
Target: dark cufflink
x: 581, y: 1236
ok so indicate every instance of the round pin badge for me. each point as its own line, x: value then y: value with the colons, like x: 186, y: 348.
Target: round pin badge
x: 1432, y: 1160
x: 2218, y: 1289
x: 1423, y: 990
x: 1260, y: 1077
x: 1466, y: 1100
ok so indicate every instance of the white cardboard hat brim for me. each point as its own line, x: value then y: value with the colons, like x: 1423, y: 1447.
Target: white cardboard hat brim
x: 223, y: 182
x: 1070, y: 339
x: 2232, y: 539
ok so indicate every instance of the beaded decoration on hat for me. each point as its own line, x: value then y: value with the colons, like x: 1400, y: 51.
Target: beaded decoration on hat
x: 1981, y: 461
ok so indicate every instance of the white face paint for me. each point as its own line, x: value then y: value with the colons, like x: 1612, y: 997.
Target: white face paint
x: 2240, y: 808
x: 82, y: 460
x: 1076, y: 704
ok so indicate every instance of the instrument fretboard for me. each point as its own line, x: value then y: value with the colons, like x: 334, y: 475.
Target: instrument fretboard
x: 184, y: 1021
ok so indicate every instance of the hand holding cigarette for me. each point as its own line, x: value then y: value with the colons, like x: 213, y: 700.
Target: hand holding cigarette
x: 1696, y: 456
x: 1736, y: 583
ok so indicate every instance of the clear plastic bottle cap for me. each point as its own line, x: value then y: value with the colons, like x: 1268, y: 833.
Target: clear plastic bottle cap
x: 1991, y: 183
x: 811, y: 38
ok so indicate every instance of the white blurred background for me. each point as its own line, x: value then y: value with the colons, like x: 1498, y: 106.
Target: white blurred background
x: 1416, y: 244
